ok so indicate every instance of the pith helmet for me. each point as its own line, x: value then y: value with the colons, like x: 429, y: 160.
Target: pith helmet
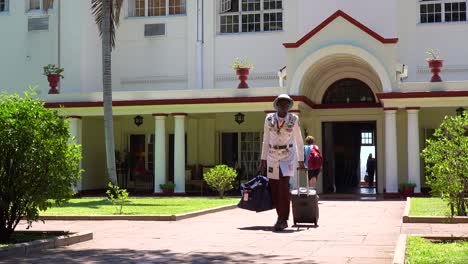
x: 283, y: 96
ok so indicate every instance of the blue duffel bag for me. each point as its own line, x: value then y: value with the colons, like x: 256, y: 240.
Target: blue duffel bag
x: 256, y: 195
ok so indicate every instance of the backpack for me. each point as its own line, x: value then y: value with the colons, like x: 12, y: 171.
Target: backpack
x: 315, y: 158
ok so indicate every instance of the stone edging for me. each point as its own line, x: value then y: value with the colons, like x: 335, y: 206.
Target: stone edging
x: 26, y: 248
x: 400, y: 249
x: 431, y: 219
x: 175, y: 217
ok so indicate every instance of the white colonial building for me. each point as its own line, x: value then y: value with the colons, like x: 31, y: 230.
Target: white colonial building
x: 356, y: 69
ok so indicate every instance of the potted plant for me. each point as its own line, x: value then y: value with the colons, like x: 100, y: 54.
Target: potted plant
x: 435, y: 64
x: 53, y: 74
x: 407, y: 188
x: 167, y: 188
x: 242, y: 68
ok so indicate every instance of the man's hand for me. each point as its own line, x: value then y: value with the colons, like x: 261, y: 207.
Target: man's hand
x: 301, y: 165
x: 262, y: 166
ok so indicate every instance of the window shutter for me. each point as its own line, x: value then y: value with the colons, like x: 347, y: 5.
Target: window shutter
x: 38, y: 23
x: 225, y: 6
x: 155, y: 30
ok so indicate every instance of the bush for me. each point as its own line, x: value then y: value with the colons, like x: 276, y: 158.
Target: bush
x: 37, y: 163
x: 221, y: 178
x: 117, y: 196
x: 446, y: 158
x: 167, y: 186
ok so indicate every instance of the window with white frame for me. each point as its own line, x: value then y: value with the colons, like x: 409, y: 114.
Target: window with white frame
x: 150, y: 8
x: 438, y: 11
x: 4, y: 5
x: 367, y: 138
x: 38, y: 5
x: 250, y: 15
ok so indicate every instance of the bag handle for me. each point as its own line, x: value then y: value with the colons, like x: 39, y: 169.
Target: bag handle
x: 307, y: 179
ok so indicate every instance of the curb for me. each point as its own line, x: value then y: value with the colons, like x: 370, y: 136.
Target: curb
x: 175, y: 217
x: 400, y: 249
x: 26, y: 248
x: 431, y: 219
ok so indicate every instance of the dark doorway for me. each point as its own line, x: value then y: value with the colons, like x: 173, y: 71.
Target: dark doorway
x: 230, y: 153
x: 342, y: 144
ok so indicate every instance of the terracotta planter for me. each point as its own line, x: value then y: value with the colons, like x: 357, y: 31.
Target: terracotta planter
x: 435, y: 66
x: 243, y: 74
x: 407, y: 191
x: 168, y: 192
x: 53, y: 83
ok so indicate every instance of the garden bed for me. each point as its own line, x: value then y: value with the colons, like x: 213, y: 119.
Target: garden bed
x: 429, y: 210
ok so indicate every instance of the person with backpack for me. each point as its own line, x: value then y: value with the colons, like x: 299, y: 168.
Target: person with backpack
x: 312, y: 160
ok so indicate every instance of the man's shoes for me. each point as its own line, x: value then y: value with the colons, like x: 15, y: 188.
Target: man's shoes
x: 280, y: 225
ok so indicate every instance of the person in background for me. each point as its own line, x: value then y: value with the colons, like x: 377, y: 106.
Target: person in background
x: 282, y: 144
x: 370, y: 169
x: 312, y: 172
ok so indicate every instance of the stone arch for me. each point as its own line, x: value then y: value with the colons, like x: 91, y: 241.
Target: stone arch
x: 360, y: 64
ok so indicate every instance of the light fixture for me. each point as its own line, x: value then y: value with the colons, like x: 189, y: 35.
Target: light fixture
x: 138, y: 120
x: 460, y: 111
x: 239, y: 118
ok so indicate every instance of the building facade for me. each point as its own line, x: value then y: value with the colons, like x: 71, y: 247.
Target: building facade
x: 357, y: 71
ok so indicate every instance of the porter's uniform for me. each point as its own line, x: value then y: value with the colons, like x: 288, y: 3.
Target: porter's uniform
x: 282, y: 144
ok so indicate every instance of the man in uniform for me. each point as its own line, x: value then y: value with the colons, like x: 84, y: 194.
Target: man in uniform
x: 282, y: 144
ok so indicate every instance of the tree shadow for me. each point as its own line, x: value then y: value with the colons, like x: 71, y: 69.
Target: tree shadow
x: 99, y: 256
x: 268, y: 229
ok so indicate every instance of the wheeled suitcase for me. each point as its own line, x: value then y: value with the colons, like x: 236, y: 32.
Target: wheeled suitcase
x: 304, y: 202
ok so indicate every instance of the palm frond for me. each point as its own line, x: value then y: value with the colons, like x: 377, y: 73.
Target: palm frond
x: 97, y: 11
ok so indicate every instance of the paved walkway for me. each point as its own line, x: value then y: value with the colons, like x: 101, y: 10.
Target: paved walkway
x: 348, y: 232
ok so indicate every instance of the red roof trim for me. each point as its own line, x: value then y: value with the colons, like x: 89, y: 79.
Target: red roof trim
x: 351, y: 20
x: 390, y: 108
x: 160, y: 114
x: 179, y: 114
x: 422, y: 94
x: 219, y: 100
x: 347, y: 105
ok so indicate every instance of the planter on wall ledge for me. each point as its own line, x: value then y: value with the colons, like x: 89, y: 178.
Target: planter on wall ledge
x: 407, y: 191
x: 53, y: 83
x: 243, y: 74
x: 168, y: 192
x: 435, y: 66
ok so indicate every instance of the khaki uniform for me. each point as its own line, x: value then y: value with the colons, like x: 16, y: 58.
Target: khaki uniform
x: 282, y: 144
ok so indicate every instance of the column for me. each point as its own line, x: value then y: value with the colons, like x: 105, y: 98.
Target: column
x: 414, y: 175
x: 391, y: 162
x: 75, y: 128
x: 179, y: 152
x: 159, y: 151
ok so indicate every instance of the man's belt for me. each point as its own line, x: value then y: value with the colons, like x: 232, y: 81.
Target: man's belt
x: 281, y: 146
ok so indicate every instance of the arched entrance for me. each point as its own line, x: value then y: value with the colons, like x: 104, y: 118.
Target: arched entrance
x: 347, y: 144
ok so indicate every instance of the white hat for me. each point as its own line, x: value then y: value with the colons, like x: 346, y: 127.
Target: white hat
x: 283, y: 96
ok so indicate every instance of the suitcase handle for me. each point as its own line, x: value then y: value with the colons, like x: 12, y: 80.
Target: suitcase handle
x: 298, y: 180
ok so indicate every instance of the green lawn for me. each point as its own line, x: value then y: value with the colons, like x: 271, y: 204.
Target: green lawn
x: 139, y: 206
x: 429, y: 207
x: 420, y: 250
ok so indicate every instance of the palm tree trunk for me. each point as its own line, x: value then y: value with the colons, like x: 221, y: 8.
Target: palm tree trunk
x: 107, y: 90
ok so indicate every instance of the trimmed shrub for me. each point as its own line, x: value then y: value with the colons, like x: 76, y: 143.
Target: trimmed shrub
x: 221, y: 178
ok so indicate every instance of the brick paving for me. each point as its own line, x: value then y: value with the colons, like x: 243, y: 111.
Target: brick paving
x: 348, y: 232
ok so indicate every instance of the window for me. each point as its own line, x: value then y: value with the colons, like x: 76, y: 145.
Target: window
x: 4, y: 5
x: 367, y: 138
x: 438, y: 11
x: 149, y: 8
x: 250, y: 15
x: 348, y: 91
x: 38, y: 5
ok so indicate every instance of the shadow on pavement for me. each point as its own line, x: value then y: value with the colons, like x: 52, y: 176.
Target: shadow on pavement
x: 268, y: 229
x: 148, y: 256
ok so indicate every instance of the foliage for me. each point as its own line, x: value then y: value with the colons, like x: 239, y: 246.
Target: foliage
x: 52, y: 69
x: 421, y: 250
x: 241, y: 63
x: 432, y: 54
x: 406, y: 185
x: 167, y: 186
x: 37, y: 163
x: 117, y: 196
x: 140, y: 206
x: 446, y: 158
x: 220, y: 178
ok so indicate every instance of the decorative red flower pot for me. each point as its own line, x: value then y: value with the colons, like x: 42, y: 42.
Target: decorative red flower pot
x: 53, y: 82
x: 168, y: 192
x: 435, y: 66
x: 407, y: 191
x: 243, y: 74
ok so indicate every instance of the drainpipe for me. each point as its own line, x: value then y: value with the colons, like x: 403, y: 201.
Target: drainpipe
x: 58, y: 38
x: 200, y: 44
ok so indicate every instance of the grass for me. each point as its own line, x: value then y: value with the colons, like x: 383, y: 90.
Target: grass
x: 421, y: 250
x: 429, y: 207
x: 139, y: 206
x: 20, y: 237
